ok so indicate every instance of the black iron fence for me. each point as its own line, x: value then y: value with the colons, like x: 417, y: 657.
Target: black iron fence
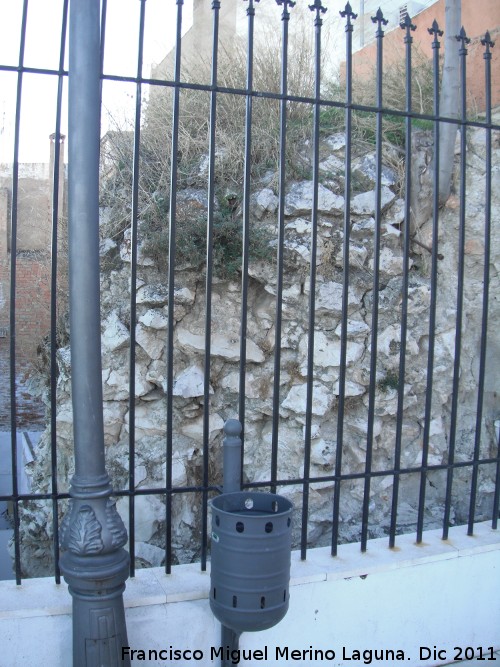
x: 320, y: 104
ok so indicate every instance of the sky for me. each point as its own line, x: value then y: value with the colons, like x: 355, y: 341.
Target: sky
x: 43, y: 39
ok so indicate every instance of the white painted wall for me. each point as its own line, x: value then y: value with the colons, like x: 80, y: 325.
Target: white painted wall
x: 439, y: 594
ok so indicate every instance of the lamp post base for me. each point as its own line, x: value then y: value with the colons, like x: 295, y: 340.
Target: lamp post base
x: 96, y: 584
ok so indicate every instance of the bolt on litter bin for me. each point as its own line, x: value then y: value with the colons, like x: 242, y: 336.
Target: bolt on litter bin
x: 250, y: 563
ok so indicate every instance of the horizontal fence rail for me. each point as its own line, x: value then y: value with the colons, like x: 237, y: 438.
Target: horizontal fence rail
x: 340, y: 475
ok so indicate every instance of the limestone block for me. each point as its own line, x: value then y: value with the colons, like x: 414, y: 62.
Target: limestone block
x: 115, y: 334
x: 355, y: 329
x: 351, y: 388
x: 389, y: 342
x: 357, y: 255
x: 113, y: 413
x: 329, y: 298
x: 221, y: 346
x: 364, y: 203
x: 190, y: 383
x: 300, y: 198
x: 299, y: 225
x: 332, y: 164
x: 151, y: 342
x: 295, y: 400
x: 264, y: 202
x: 154, y: 319
x: 149, y: 512
x: 152, y: 295
x: 63, y: 356
x: 150, y: 419
x: 390, y: 263
x: 157, y: 374
x: 327, y: 350
x: 394, y: 217
x: 184, y: 296
x: 126, y: 251
x: 194, y: 427
x: 152, y: 555
x: 116, y: 385
x: 105, y: 246
x: 256, y: 386
x: 323, y: 452
x: 367, y: 165
x: 335, y: 142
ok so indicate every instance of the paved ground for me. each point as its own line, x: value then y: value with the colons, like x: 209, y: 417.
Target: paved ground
x: 30, y: 410
x: 477, y: 662
x: 6, y: 489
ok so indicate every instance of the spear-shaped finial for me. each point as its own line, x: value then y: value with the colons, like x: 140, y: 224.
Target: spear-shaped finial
x: 286, y: 4
x: 317, y: 5
x: 463, y: 39
x: 434, y: 30
x: 379, y: 18
x: 251, y: 8
x: 488, y: 44
x: 348, y: 13
x: 487, y: 41
x: 406, y: 24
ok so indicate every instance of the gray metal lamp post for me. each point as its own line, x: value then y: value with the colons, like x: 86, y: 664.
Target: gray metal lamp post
x: 94, y: 562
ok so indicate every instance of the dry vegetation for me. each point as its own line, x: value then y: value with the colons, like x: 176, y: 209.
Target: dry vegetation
x: 229, y: 152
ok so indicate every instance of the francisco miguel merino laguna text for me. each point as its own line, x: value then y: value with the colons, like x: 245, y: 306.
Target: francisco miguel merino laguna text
x: 235, y: 656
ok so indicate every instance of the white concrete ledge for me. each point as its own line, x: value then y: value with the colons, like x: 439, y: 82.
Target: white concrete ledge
x: 441, y: 594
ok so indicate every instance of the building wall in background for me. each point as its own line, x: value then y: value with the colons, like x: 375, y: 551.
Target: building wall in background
x: 478, y: 16
x: 34, y: 230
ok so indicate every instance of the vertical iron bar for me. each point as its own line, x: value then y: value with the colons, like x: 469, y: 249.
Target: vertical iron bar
x: 174, y: 163
x: 408, y: 27
x: 496, y: 496
x: 318, y: 22
x: 53, y: 293
x: 232, y: 453
x: 433, y: 296
x: 133, y: 282
x: 487, y: 43
x: 94, y: 562
x: 285, y: 18
x: 208, y: 282
x: 246, y: 215
x: 349, y: 14
x: 12, y: 313
x: 379, y: 19
x: 463, y: 39
x: 460, y: 284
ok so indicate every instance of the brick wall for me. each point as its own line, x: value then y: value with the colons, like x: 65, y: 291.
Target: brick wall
x: 32, y: 324
x: 32, y: 305
x: 478, y: 16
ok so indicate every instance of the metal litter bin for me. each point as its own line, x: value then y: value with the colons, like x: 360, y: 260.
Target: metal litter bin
x: 250, y: 564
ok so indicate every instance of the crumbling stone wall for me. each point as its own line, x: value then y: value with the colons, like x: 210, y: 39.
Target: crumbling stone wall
x: 150, y: 385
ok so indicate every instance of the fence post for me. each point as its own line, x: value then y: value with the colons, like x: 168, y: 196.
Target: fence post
x: 93, y: 562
